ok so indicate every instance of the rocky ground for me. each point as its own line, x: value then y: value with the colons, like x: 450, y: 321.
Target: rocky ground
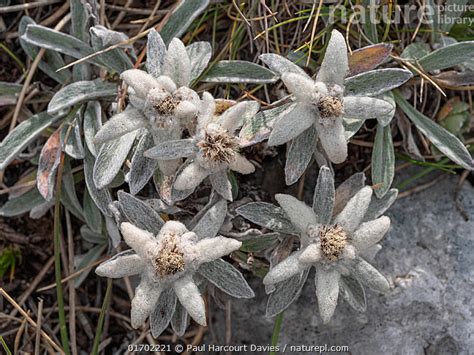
x: 427, y: 256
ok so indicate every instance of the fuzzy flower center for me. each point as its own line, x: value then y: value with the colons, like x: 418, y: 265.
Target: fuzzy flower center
x: 166, y: 106
x: 333, y: 241
x: 170, y: 259
x: 218, y: 146
x: 330, y: 106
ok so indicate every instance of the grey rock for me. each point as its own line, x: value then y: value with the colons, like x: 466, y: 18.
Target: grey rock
x: 428, y: 257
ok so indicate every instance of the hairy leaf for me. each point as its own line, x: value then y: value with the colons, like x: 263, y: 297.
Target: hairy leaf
x: 267, y: 215
x: 101, y: 197
x: 285, y: 293
x: 239, y: 71
x: 181, y: 18
x: 139, y: 213
x: 227, y: 278
x: 200, y: 54
x: 376, y: 82
x: 445, y: 141
x: 383, y: 161
x: 79, y: 92
x: 22, y: 204
x: 299, y: 155
x: 448, y: 56
x: 22, y: 135
x: 142, y: 168
x: 260, y: 126
x: 110, y: 159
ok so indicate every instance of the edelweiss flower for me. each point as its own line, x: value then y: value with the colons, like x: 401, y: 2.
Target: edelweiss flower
x: 335, y: 246
x: 321, y: 104
x: 163, y: 103
x: 168, y: 262
x: 213, y: 150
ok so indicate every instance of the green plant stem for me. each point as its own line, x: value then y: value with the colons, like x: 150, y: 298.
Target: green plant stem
x: 57, y: 259
x: 100, y: 323
x: 276, y: 331
x: 5, y: 346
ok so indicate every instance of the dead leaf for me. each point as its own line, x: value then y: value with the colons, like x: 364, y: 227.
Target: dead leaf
x: 368, y: 58
x: 48, y: 165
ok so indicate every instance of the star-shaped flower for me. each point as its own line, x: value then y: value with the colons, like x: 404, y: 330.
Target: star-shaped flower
x: 213, y: 150
x: 160, y: 101
x: 335, y: 246
x: 168, y: 261
x: 322, y: 105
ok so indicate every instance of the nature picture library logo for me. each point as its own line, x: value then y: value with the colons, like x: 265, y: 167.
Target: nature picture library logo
x: 427, y: 14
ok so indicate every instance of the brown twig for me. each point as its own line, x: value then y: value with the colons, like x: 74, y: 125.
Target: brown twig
x: 38, y: 328
x: 31, y: 321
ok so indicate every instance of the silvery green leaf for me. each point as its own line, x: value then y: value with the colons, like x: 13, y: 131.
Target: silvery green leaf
x: 180, y: 319
x: 7, y: 88
x: 68, y: 192
x: 376, y: 82
x: 260, y: 126
x: 40, y: 211
x: 51, y: 61
x: 112, y: 229
x: 139, y: 213
x: 181, y: 18
x: 324, y: 196
x: 102, y: 37
x: 92, y: 124
x: 299, y: 155
x: 71, y: 136
x: 92, y: 236
x: 92, y: 214
x: 80, y: 15
x: 445, y: 141
x: 368, y: 275
x: 86, y: 260
x: 415, y: 51
x: 181, y: 148
x: 280, y: 64
x: 221, y: 184
x: 142, y: 168
x: 200, y: 54
x: 449, y: 56
x: 259, y: 243
x: 66, y: 44
x: 101, y: 197
x: 353, y: 292
x: 285, y: 293
x: 378, y: 206
x: 161, y: 315
x: 110, y: 159
x: 384, y: 120
x: 346, y: 191
x: 211, y: 221
x: 129, y: 120
x: 22, y: 135
x: 239, y: 71
x: 81, y: 91
x: 227, y: 278
x: 351, y: 126
x: 155, y: 53
x: 22, y: 204
x: 383, y: 161
x: 268, y: 216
